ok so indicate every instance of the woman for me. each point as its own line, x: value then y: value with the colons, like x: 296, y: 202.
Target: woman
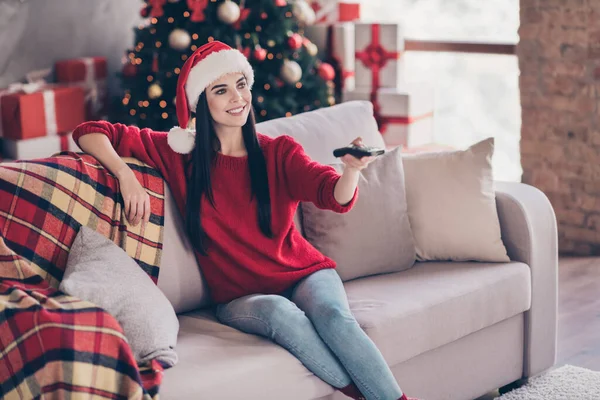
x: 238, y: 191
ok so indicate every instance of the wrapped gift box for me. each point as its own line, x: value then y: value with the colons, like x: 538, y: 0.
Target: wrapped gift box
x: 404, y: 114
x: 336, y: 41
x: 90, y: 74
x: 377, y: 56
x: 50, y: 111
x: 331, y: 11
x: 38, y: 147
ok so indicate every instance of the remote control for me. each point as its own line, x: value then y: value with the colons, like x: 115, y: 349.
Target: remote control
x: 358, y: 151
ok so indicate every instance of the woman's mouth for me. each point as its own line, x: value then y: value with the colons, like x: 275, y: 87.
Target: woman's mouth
x: 237, y: 111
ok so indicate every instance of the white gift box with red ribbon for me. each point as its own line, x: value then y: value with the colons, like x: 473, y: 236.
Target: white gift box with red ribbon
x: 378, y: 52
x: 41, y: 147
x: 404, y: 115
x: 336, y: 41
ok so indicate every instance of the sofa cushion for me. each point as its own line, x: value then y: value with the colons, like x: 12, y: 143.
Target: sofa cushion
x: 102, y: 273
x: 454, y: 300
x: 323, y: 130
x: 220, y: 362
x: 375, y: 236
x: 452, y: 205
x: 180, y: 278
x: 435, y: 303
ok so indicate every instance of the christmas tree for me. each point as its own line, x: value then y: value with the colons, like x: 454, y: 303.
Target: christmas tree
x: 289, y: 78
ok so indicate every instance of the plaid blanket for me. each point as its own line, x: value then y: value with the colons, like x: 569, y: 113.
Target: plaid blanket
x: 53, y: 345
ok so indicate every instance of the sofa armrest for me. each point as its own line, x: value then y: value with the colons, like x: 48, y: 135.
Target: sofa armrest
x: 529, y: 233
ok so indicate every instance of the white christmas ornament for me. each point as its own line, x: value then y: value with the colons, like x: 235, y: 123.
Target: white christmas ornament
x: 291, y: 72
x: 304, y: 12
x: 228, y: 12
x: 179, y: 39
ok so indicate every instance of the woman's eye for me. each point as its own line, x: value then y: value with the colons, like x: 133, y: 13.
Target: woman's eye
x: 220, y: 91
x: 243, y: 84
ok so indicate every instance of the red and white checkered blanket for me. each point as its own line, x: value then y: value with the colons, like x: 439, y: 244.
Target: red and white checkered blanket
x: 53, y: 345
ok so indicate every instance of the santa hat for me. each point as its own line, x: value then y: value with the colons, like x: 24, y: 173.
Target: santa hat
x: 207, y: 64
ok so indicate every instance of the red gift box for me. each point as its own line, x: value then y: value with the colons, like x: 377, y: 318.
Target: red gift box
x: 89, y: 73
x: 52, y: 110
x: 40, y: 147
x: 330, y: 11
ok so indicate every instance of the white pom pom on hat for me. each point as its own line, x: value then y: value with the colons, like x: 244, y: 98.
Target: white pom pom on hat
x: 207, y: 64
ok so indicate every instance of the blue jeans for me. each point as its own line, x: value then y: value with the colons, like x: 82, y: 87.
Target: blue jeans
x: 313, y: 321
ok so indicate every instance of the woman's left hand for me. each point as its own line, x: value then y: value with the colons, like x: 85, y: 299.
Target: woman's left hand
x: 353, y: 162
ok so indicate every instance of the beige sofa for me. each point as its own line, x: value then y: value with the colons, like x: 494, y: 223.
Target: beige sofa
x: 449, y: 330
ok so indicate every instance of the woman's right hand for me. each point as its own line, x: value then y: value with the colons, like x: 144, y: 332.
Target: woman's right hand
x: 135, y: 197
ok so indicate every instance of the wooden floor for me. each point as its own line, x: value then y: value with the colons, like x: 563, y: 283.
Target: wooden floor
x: 578, y: 314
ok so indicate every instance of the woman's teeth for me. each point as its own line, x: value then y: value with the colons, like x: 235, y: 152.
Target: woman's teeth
x: 236, y: 111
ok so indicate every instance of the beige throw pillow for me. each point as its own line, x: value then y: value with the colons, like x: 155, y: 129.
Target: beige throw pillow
x: 374, y: 237
x: 452, y: 205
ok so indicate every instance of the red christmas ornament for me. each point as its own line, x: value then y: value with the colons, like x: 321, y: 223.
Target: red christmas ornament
x: 295, y: 41
x: 129, y: 70
x: 144, y: 12
x: 280, y: 3
x: 279, y: 82
x: 197, y: 7
x: 259, y: 54
x: 157, y: 7
x: 326, y: 71
x: 246, y: 51
x: 244, y: 14
x: 155, y: 63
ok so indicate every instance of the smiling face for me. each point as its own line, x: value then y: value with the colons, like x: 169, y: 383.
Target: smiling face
x: 229, y: 100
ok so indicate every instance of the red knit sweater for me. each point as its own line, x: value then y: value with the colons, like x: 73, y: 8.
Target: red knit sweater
x: 241, y: 260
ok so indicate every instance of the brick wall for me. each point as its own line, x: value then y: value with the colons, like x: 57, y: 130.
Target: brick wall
x: 559, y: 59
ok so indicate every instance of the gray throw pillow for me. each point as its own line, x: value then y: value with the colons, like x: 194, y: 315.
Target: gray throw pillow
x: 102, y: 273
x: 374, y: 237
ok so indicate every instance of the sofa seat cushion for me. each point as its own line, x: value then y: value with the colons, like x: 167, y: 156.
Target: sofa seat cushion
x: 434, y: 303
x: 221, y: 363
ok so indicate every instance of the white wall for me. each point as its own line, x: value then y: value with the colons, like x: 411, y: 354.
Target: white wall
x: 36, y: 33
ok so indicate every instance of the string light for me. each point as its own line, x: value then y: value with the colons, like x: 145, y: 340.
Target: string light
x: 270, y: 56
x: 258, y: 28
x: 146, y: 103
x: 125, y: 101
x: 153, y: 31
x: 194, y: 47
x: 264, y: 15
x: 260, y: 99
x: 298, y: 85
x: 186, y: 14
x: 143, y: 116
x: 165, y: 115
x: 138, y: 61
x: 288, y: 114
x: 169, y: 74
x: 195, y: 36
x: 247, y: 36
x: 288, y: 14
x: 150, y: 78
x: 132, y: 112
x: 162, y: 104
x: 177, y: 70
x: 140, y: 103
x: 210, y: 38
x: 171, y: 20
x: 279, y: 56
x: 184, y: 57
x: 263, y: 113
x: 153, y: 21
x: 158, y: 44
x: 267, y: 86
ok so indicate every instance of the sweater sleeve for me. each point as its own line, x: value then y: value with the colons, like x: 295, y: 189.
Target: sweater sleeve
x: 146, y: 145
x: 308, y: 180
